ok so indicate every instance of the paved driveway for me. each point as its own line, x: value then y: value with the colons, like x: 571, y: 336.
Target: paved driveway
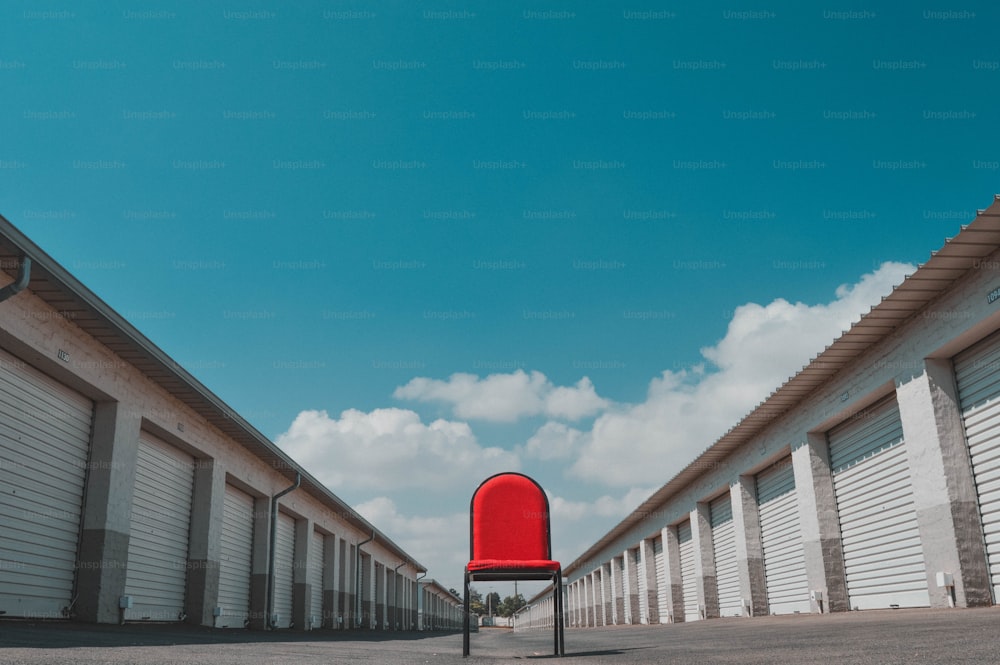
x: 903, y: 637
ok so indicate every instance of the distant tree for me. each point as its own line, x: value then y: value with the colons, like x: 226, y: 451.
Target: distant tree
x: 511, y: 604
x: 493, y: 603
x: 475, y: 602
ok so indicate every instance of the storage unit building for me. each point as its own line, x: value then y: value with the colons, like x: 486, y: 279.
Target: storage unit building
x: 131, y: 492
x: 870, y: 479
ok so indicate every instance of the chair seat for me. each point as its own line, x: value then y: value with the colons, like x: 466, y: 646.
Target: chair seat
x: 513, y: 565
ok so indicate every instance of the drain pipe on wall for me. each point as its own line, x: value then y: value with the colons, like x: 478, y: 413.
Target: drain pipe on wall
x: 358, y: 577
x: 19, y: 284
x: 396, y: 595
x: 420, y: 601
x: 271, y: 546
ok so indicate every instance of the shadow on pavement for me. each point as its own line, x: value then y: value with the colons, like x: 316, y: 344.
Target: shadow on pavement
x: 64, y: 635
x: 585, y: 654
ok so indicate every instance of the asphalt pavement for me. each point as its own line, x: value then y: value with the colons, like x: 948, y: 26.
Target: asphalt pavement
x: 889, y: 637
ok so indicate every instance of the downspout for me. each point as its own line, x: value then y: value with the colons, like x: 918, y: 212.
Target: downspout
x: 358, y: 577
x: 19, y: 284
x: 396, y: 596
x: 271, y: 546
x: 420, y: 602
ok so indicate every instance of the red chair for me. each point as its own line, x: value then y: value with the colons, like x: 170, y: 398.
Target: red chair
x: 509, y: 540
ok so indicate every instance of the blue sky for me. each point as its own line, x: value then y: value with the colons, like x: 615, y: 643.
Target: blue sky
x: 418, y: 244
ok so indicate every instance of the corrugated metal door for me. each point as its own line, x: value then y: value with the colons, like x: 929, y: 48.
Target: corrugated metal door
x: 689, y: 581
x: 883, y: 555
x: 781, y: 540
x: 284, y: 567
x: 366, y: 617
x: 317, y: 551
x: 235, y: 558
x: 662, y: 577
x: 727, y: 573
x: 379, y: 596
x: 158, y: 538
x: 622, y: 606
x: 44, y: 443
x: 643, y: 587
x: 976, y: 371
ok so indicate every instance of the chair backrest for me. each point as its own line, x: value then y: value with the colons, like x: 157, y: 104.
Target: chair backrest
x: 510, y: 519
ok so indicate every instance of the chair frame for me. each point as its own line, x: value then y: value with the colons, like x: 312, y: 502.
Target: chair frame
x: 509, y: 574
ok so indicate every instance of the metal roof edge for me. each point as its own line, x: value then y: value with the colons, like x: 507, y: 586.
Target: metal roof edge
x: 434, y: 583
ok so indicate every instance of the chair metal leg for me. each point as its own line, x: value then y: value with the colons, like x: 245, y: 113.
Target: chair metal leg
x: 562, y: 623
x: 465, y: 627
x: 560, y: 647
x: 555, y: 616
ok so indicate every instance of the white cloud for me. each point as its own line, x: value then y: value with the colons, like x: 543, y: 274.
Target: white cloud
x: 576, y: 525
x: 574, y: 403
x: 604, y: 506
x: 506, y: 397
x: 553, y: 441
x: 685, y: 412
x: 389, y: 448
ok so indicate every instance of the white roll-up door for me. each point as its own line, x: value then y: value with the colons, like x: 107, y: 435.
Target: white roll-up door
x: 317, y: 552
x: 883, y: 555
x: 977, y: 372
x: 781, y: 540
x: 158, y: 538
x: 44, y: 442
x: 727, y: 572
x: 662, y: 578
x: 643, y: 587
x: 284, y: 567
x: 689, y: 580
x: 598, y: 586
x: 366, y: 617
x: 621, y: 606
x: 379, y: 596
x: 235, y: 558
